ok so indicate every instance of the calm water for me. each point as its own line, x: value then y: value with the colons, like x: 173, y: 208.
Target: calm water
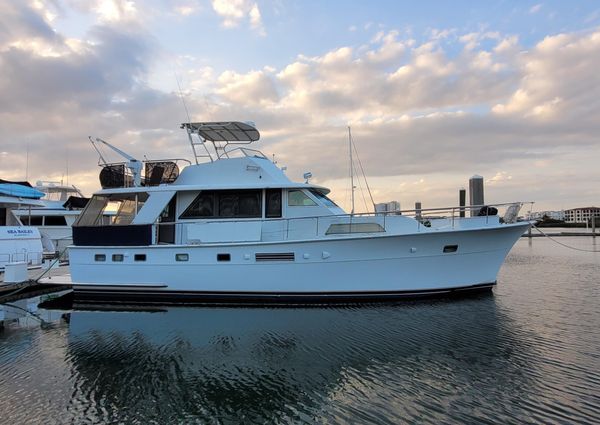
x: 528, y: 353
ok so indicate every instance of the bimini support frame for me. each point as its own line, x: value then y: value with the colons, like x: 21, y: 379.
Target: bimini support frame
x: 220, y: 135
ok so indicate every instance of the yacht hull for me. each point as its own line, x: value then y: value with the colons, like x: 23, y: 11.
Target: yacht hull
x: 348, y: 269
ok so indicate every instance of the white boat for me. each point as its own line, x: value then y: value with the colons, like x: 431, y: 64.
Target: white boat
x: 59, y: 209
x: 18, y: 243
x: 237, y: 229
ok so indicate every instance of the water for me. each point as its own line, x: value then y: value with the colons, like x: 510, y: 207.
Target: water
x: 528, y: 353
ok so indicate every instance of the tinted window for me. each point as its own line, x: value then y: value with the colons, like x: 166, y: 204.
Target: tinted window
x: 202, y: 206
x: 273, y: 207
x: 36, y: 220
x: 225, y: 203
x: 55, y: 220
x: 297, y: 198
x: 244, y: 203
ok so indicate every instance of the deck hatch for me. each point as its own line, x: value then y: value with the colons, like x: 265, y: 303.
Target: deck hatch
x: 275, y: 256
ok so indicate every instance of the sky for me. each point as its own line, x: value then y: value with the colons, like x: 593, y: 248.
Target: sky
x: 434, y: 91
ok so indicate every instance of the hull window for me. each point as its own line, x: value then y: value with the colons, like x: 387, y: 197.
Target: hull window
x: 223, y: 257
x: 99, y: 257
x: 139, y: 257
x: 117, y: 258
x: 182, y: 257
x: 450, y: 248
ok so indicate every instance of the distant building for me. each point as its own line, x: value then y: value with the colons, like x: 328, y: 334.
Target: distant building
x: 581, y: 215
x: 554, y: 215
x: 387, y: 206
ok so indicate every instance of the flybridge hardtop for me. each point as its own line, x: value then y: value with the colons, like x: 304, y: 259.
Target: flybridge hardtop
x: 232, y: 131
x: 234, y: 228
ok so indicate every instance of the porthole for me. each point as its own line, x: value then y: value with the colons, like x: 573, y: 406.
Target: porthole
x: 117, y: 257
x: 223, y: 257
x: 139, y: 257
x: 182, y: 257
x: 99, y: 257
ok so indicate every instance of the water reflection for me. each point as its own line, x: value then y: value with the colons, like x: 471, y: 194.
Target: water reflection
x: 260, y: 364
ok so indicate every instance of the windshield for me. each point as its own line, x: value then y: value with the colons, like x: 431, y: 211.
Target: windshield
x: 326, y: 201
x: 116, y: 209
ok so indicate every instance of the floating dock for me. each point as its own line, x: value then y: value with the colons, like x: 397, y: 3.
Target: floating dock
x: 53, y: 280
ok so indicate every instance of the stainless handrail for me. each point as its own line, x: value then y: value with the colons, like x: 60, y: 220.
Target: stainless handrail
x: 288, y: 225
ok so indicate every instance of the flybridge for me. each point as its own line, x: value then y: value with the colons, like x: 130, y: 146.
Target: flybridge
x: 221, y: 135
x: 209, y: 140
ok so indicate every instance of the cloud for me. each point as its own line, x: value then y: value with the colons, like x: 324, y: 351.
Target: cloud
x: 535, y: 8
x: 440, y: 109
x: 234, y: 12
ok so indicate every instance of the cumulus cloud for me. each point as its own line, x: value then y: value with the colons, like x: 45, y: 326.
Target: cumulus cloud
x: 234, y: 12
x: 417, y: 111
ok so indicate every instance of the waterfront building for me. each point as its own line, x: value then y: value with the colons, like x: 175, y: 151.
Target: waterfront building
x: 553, y: 215
x: 387, y: 207
x: 581, y: 215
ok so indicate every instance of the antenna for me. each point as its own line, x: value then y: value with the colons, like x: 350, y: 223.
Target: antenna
x: 67, y: 156
x: 351, y: 167
x: 27, y: 164
x: 187, y: 113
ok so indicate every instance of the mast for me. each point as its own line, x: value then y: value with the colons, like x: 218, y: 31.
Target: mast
x: 351, y: 167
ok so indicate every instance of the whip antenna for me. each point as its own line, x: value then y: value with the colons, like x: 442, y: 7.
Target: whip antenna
x: 182, y: 98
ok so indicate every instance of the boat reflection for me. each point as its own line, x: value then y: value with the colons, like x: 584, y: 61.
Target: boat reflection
x: 255, y: 364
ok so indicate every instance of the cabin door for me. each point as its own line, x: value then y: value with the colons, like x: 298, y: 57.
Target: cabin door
x: 166, y: 231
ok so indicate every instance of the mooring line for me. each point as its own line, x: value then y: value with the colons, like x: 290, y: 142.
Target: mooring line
x: 562, y: 244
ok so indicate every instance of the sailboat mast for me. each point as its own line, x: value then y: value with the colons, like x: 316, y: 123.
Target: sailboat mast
x: 351, y: 167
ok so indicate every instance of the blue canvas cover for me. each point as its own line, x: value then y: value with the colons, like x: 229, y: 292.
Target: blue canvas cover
x: 20, y: 191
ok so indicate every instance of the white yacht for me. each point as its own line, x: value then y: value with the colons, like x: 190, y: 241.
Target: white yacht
x: 18, y: 243
x: 236, y: 229
x: 61, y: 205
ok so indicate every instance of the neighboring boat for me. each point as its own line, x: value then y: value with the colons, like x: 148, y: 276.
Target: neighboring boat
x: 237, y: 229
x: 60, y: 208
x: 18, y: 243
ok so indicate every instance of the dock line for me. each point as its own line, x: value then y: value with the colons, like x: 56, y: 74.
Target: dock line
x: 562, y: 244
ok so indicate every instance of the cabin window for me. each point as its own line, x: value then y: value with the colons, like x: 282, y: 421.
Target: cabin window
x: 34, y: 220
x: 100, y: 257
x: 273, y: 203
x: 123, y: 207
x: 297, y: 198
x: 182, y: 257
x: 117, y: 257
x: 55, y: 220
x: 321, y: 196
x: 225, y: 204
x: 139, y: 257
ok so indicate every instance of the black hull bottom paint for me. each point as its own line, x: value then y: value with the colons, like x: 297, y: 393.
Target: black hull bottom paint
x: 124, y: 295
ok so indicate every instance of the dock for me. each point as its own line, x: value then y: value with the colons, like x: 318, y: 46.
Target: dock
x: 54, y: 280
